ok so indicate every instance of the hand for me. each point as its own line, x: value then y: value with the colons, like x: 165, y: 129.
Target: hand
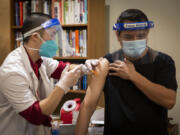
x: 90, y: 65
x: 69, y: 78
x: 124, y: 69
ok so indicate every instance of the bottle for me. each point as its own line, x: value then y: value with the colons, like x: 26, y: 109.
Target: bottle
x: 55, y: 128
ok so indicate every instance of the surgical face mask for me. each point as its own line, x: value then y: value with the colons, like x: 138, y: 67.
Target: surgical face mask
x: 47, y: 49
x: 134, y: 48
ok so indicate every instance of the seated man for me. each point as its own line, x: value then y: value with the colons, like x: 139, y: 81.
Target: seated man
x: 140, y: 87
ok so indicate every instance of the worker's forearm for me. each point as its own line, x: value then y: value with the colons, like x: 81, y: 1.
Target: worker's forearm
x: 49, y: 104
x: 155, y: 92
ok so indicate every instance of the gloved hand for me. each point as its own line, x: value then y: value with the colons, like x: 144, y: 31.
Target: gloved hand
x: 90, y: 65
x: 69, y: 78
x: 85, y: 70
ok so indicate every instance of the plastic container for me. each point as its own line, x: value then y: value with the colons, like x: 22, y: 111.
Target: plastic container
x: 67, y: 110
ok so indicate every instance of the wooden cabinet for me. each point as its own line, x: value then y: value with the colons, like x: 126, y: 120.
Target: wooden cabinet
x: 5, y: 29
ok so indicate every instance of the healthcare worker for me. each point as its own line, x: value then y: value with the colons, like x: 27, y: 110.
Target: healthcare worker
x: 141, y: 84
x: 27, y: 97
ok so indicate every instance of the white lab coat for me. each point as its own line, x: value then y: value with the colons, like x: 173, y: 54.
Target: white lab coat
x: 18, y: 91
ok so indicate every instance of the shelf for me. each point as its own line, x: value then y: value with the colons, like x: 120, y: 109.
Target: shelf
x: 78, y: 91
x: 16, y: 27
x: 70, y: 58
x: 74, y: 25
x: 64, y: 26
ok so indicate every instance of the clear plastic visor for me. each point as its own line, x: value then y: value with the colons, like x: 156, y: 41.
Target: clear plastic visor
x: 52, y: 31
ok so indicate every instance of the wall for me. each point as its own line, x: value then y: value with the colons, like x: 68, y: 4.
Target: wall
x: 4, y: 29
x: 164, y: 37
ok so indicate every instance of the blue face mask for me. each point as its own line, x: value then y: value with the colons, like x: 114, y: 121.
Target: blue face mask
x: 48, y: 49
x: 134, y: 48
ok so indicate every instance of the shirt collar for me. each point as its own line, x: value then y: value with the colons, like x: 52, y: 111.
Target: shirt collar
x: 35, y: 65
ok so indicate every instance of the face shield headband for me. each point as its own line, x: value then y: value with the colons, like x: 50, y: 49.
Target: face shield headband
x: 133, y: 26
x: 52, y: 27
x: 48, y: 24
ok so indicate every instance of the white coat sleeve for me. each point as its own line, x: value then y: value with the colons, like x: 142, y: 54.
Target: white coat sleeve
x: 16, y: 89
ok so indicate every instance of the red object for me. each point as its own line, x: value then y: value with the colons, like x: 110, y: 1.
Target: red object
x: 77, y: 41
x: 21, y: 12
x: 34, y: 115
x: 57, y: 73
x: 66, y: 111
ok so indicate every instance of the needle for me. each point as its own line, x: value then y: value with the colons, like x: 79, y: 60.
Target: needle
x: 94, y: 72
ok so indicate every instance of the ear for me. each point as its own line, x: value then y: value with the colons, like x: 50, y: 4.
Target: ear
x: 35, y: 37
x: 118, y: 38
x: 117, y: 35
x: 148, y: 31
x: 147, y: 38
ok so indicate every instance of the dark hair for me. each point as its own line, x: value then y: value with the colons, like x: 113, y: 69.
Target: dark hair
x: 135, y: 15
x: 32, y: 21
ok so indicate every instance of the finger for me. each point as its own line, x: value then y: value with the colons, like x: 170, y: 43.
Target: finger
x: 95, y: 62
x: 114, y: 65
x: 101, y: 58
x: 78, y: 67
x: 88, y: 64
x: 113, y: 68
x: 78, y: 73
x: 126, y: 60
x: 118, y: 61
x: 66, y: 69
x: 121, y: 63
x: 114, y: 74
x: 84, y: 69
x: 116, y: 69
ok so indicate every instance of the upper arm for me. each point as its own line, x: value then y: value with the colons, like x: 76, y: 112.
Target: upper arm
x: 16, y: 90
x: 101, y: 73
x: 96, y: 83
x: 51, y: 65
x: 57, y: 73
x: 54, y: 68
x: 166, y: 74
x: 109, y: 58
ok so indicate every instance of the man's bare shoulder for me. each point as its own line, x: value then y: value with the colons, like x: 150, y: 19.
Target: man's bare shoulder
x: 103, y: 67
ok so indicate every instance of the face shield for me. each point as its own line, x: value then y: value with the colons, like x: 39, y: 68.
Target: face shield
x: 133, y: 37
x: 53, y: 31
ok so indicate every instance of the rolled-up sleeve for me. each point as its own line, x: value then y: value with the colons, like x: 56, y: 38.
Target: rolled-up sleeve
x: 57, y: 73
x: 54, y: 67
x: 34, y: 115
